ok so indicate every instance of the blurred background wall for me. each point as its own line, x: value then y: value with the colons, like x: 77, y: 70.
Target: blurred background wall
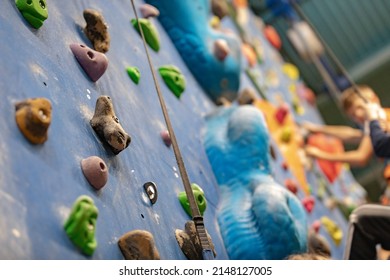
x: 358, y: 33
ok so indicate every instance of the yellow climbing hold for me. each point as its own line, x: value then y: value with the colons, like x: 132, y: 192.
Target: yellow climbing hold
x: 333, y: 229
x: 291, y: 71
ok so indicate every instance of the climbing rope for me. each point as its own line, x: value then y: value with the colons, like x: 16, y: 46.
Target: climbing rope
x: 197, y: 217
x: 329, y: 51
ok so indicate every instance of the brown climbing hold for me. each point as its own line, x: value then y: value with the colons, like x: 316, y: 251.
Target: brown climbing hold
x: 107, y: 126
x: 97, y: 30
x: 247, y: 96
x: 33, y: 117
x: 95, y: 171
x: 317, y: 244
x: 219, y: 8
x: 138, y: 245
x: 189, y: 242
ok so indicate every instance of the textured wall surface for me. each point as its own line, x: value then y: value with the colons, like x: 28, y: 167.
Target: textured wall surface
x: 38, y: 184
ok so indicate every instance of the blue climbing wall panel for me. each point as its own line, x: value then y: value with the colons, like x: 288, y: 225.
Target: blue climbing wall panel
x: 38, y: 184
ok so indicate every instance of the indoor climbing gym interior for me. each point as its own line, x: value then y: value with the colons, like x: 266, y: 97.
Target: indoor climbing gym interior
x: 195, y: 130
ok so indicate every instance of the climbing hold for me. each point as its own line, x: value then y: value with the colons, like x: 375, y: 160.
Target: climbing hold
x: 253, y: 206
x: 291, y: 185
x: 34, y: 11
x: 150, y: 32
x: 97, y: 30
x: 134, y: 74
x: 247, y: 96
x: 33, y: 117
x: 148, y: 11
x: 273, y: 37
x: 199, y: 198
x: 307, y: 94
x: 81, y: 223
x: 151, y: 190
x: 94, y: 63
x: 317, y: 244
x: 291, y: 71
x: 315, y: 226
x: 173, y: 78
x: 166, y: 138
x: 284, y: 165
x: 215, y: 22
x: 333, y: 229
x: 298, y: 108
x: 221, y: 49
x: 308, y: 202
x: 95, y: 171
x: 281, y: 113
x: 189, y: 242
x: 219, y: 8
x: 107, y: 126
x: 286, y: 134
x: 249, y: 53
x: 138, y: 245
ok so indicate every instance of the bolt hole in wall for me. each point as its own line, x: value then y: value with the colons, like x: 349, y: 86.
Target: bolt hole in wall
x: 142, y: 216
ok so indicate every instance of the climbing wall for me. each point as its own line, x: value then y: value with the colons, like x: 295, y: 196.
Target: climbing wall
x: 274, y: 80
x: 39, y: 183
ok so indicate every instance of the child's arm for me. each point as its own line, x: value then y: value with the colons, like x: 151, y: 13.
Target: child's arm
x: 344, y: 133
x: 359, y: 157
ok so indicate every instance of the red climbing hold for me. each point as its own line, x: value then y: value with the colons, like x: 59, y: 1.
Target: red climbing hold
x: 273, y: 37
x: 308, y: 202
x: 291, y: 185
x: 281, y: 113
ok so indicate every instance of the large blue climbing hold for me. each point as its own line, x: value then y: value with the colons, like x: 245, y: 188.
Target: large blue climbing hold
x: 258, y: 218
x: 186, y: 23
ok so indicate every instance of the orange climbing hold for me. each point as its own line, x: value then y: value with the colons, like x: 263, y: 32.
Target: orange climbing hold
x: 273, y: 37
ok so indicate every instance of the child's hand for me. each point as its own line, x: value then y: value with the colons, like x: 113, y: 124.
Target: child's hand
x: 310, y: 127
x: 313, y: 151
x: 372, y: 111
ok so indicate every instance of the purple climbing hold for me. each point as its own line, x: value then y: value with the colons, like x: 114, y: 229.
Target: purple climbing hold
x: 166, y: 138
x: 94, y: 63
x: 95, y: 170
x: 221, y: 49
x: 148, y: 11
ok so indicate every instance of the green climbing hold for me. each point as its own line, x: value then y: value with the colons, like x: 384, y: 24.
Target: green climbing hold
x: 150, y: 32
x: 81, y: 223
x: 173, y: 78
x: 134, y: 74
x: 34, y: 11
x: 199, y: 198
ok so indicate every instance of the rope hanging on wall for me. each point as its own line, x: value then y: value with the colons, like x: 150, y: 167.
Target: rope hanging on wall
x: 197, y: 217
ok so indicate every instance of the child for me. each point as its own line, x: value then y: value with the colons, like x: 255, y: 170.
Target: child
x: 355, y: 108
